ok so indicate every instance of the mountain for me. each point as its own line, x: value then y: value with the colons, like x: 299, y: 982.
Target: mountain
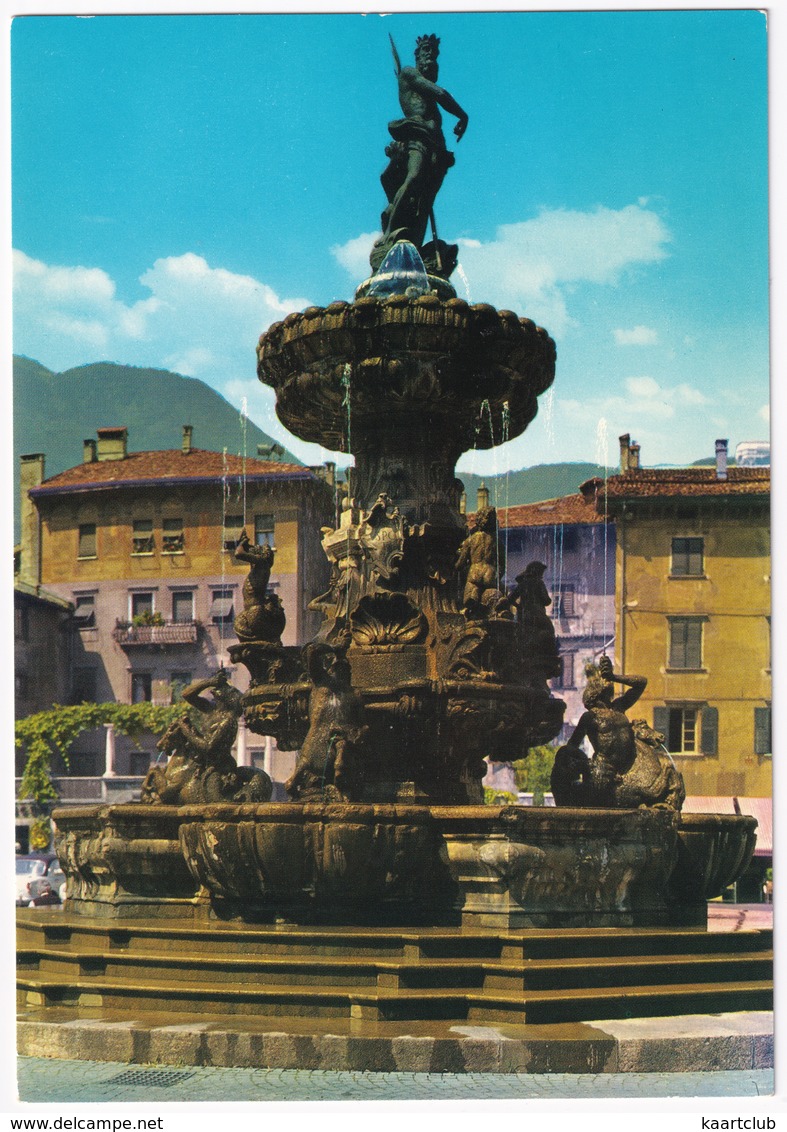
x: 530, y: 485
x: 55, y: 412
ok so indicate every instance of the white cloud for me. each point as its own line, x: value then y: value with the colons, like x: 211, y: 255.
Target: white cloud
x: 198, y: 320
x: 354, y: 255
x: 765, y: 413
x: 533, y: 265
x: 637, y: 336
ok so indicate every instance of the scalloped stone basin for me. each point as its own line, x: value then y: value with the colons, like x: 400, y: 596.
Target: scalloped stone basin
x: 340, y: 862
x: 124, y: 860
x: 421, y: 357
x: 713, y: 851
x: 485, y: 866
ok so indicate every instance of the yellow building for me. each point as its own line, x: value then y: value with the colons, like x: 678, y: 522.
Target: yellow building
x: 142, y: 545
x: 693, y: 615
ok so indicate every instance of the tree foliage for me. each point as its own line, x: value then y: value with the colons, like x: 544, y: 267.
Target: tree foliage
x: 532, y: 773
x: 53, y: 732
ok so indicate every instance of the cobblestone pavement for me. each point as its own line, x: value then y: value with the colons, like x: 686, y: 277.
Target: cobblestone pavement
x: 45, y: 1080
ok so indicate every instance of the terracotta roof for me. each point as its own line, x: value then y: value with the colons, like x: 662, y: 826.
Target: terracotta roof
x: 566, y: 509
x: 655, y: 482
x: 141, y: 469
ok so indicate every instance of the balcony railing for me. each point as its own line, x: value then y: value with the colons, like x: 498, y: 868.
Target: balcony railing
x: 127, y: 634
x: 76, y: 791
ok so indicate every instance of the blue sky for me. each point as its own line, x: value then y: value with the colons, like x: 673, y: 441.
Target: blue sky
x: 180, y: 182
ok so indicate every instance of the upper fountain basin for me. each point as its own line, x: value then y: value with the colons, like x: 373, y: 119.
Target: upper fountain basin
x: 337, y: 370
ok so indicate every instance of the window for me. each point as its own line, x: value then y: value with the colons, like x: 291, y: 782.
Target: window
x: 264, y: 526
x: 182, y: 606
x: 21, y: 685
x: 178, y: 681
x: 687, y: 557
x: 568, y: 541
x: 142, y: 541
x: 685, y: 642
x: 762, y: 730
x: 141, y: 604
x: 85, y: 610
x: 682, y: 734
x: 222, y: 610
x: 141, y: 687
x: 87, y: 541
x: 690, y: 729
x: 566, y: 677
x: 233, y: 525
x: 172, y: 540
x: 22, y: 621
x: 84, y: 686
x: 563, y: 601
x: 140, y: 762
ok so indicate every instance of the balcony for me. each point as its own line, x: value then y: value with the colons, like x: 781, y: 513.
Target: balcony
x: 129, y: 635
x: 86, y: 791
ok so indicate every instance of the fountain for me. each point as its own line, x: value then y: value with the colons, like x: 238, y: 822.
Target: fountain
x: 426, y: 663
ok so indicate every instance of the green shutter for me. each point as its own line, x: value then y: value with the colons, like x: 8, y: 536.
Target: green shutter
x: 762, y: 731
x: 693, y: 644
x: 709, y: 731
x: 661, y: 720
x: 695, y: 565
x: 685, y: 642
x: 677, y: 644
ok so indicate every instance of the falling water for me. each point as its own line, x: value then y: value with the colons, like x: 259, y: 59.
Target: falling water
x: 602, y: 457
x: 460, y: 272
x: 549, y: 420
x: 506, y: 430
x: 347, y: 406
x: 225, y: 503
x: 243, y: 432
x: 346, y: 376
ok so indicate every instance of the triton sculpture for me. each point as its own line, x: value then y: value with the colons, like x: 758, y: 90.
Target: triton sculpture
x: 630, y: 766
x: 200, y: 766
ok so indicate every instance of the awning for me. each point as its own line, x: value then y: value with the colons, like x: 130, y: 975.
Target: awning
x: 709, y: 804
x: 221, y: 608
x: 762, y: 810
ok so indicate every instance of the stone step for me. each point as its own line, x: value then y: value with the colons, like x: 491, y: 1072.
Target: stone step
x: 60, y: 929
x: 543, y: 1006
x: 495, y: 975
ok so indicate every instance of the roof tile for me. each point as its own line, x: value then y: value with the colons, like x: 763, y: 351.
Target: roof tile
x: 659, y: 482
x: 168, y: 464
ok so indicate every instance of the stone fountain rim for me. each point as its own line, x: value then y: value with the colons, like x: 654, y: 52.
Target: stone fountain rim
x: 421, y: 308
x: 336, y: 811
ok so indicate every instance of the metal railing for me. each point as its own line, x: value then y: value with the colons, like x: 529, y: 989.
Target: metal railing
x: 90, y: 789
x: 170, y: 633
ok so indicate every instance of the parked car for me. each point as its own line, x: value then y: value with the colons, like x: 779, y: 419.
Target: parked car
x: 39, y: 879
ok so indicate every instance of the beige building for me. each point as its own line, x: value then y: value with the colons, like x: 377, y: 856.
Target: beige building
x: 693, y: 599
x: 141, y: 544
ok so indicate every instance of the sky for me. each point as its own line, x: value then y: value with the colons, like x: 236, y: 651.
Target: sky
x: 181, y: 182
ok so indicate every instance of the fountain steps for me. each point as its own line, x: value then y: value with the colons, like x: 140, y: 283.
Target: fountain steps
x: 534, y: 974
x: 531, y: 976
x: 37, y: 929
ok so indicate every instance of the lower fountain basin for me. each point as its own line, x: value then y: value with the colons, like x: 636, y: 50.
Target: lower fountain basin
x: 124, y: 861
x: 484, y: 866
x: 713, y: 851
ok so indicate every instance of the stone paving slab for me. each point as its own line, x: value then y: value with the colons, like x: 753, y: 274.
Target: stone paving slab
x: 691, y: 1043
x: 42, y: 1080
